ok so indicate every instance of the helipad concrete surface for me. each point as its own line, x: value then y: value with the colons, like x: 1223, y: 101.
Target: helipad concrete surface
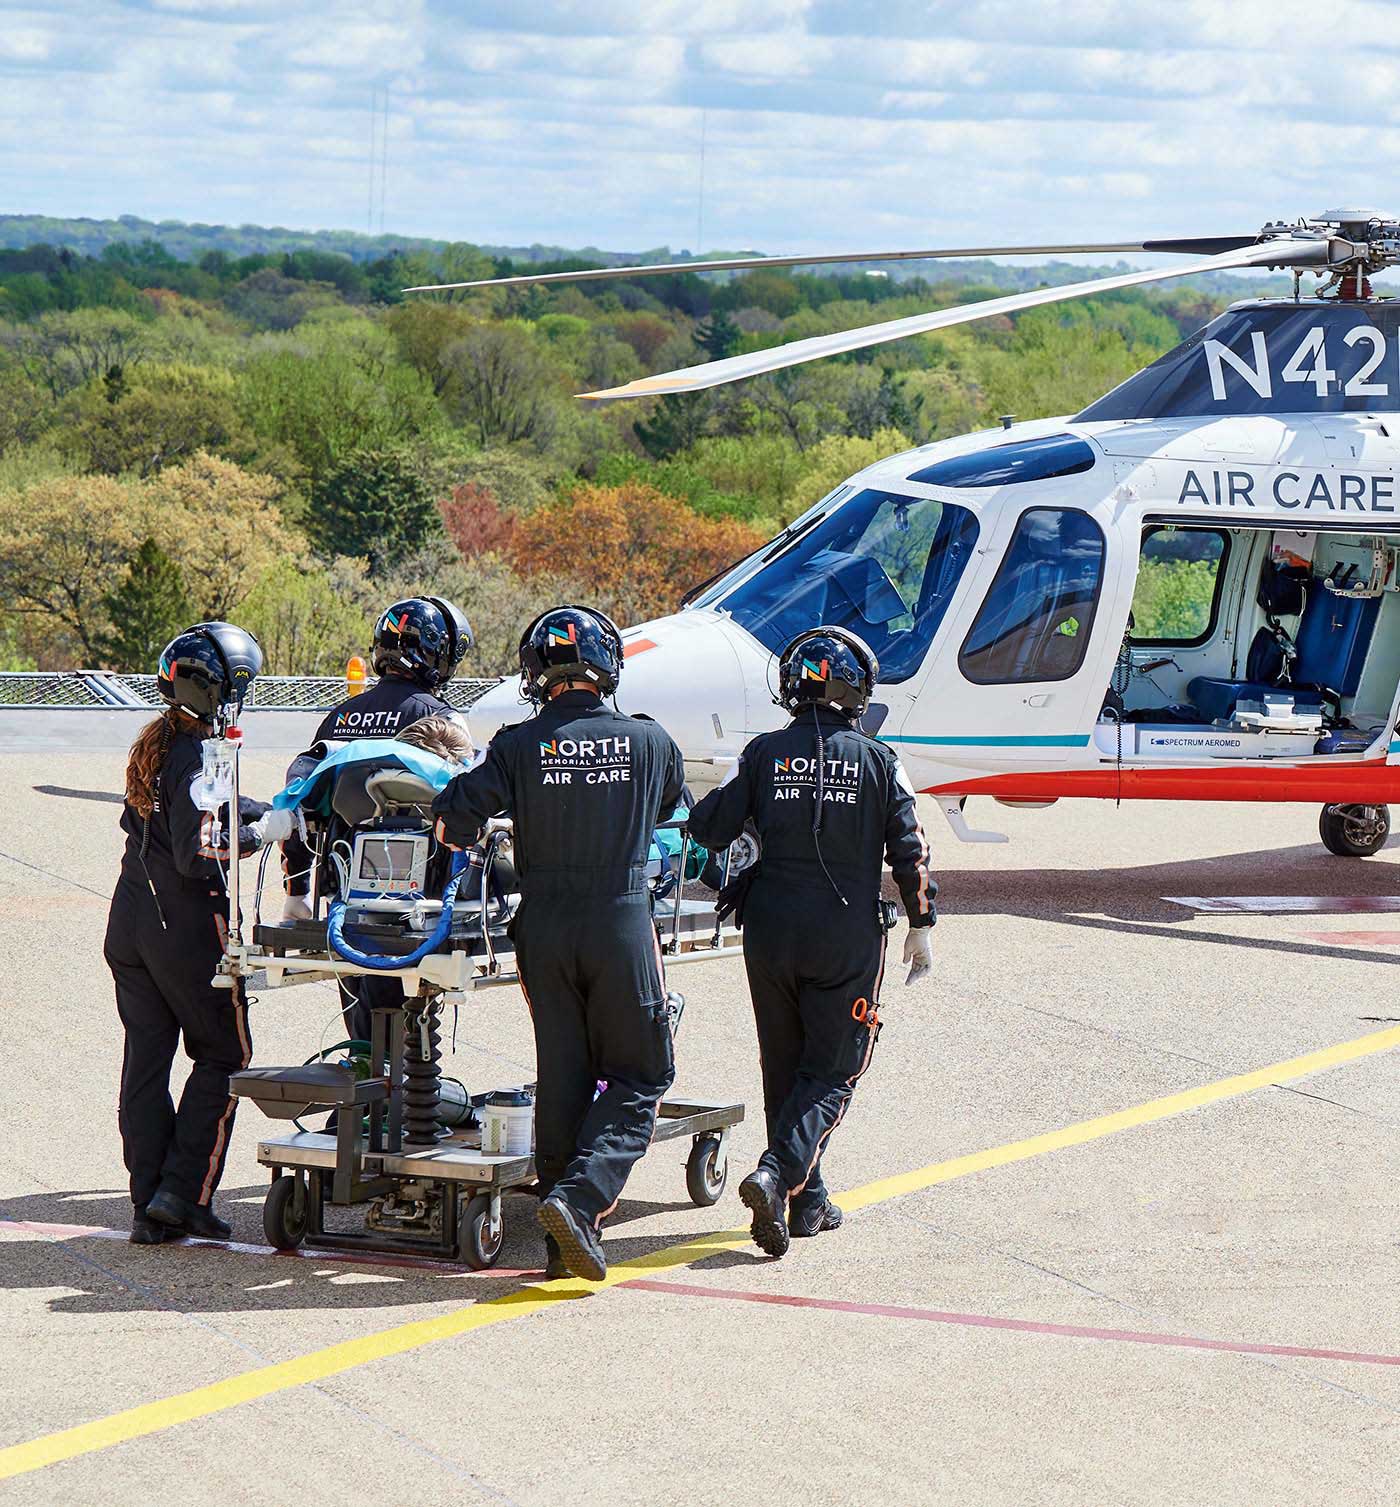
x: 1122, y: 1189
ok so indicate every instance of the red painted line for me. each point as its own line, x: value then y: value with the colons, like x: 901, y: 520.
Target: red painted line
x: 638, y: 646
x: 1018, y: 1326
x: 1355, y: 938
x: 1289, y: 905
x: 245, y: 1248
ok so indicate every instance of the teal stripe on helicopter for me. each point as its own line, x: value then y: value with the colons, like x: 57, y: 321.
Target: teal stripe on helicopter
x: 1051, y: 740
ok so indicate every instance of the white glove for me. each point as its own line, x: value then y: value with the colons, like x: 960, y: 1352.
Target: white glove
x: 295, y: 908
x: 918, y: 952
x: 276, y: 826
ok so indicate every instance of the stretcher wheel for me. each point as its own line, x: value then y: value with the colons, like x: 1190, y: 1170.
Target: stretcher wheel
x: 704, y: 1180
x: 284, y: 1212
x: 1354, y: 831
x: 475, y: 1244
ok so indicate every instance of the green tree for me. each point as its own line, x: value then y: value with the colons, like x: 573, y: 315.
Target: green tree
x: 152, y: 418
x: 222, y: 527
x: 675, y: 424
x: 309, y: 615
x: 327, y: 392
x: 146, y: 611
x: 505, y: 386
x: 61, y: 351
x: 373, y: 505
x: 834, y: 460
x: 23, y: 411
x: 718, y: 337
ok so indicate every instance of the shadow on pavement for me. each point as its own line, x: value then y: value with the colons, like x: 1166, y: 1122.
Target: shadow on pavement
x: 1114, y: 899
x: 95, y: 1273
x: 80, y: 795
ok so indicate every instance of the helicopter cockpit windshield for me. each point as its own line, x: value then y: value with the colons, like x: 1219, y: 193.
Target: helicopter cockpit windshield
x: 883, y: 565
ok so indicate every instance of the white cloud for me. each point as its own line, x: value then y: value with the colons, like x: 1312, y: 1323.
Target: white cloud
x: 826, y: 122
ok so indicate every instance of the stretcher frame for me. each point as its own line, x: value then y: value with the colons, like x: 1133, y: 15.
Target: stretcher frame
x: 378, y: 1152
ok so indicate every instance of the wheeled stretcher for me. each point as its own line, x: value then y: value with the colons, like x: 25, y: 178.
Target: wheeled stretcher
x: 430, y: 1189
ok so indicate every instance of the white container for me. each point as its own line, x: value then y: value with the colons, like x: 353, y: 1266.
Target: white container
x: 508, y: 1124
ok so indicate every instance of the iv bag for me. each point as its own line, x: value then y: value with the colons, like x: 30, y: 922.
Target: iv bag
x: 214, y: 788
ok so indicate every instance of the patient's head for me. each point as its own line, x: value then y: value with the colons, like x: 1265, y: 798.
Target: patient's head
x: 443, y: 736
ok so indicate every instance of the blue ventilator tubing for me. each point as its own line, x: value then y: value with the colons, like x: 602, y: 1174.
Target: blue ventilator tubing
x: 335, y: 928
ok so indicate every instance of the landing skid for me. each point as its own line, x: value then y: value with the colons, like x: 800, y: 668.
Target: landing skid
x: 952, y: 808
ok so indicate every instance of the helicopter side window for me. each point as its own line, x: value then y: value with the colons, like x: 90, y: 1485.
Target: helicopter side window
x: 1177, y: 597
x: 1036, y: 622
x: 883, y: 565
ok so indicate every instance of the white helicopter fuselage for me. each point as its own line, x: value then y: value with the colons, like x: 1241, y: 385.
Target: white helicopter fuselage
x: 994, y: 575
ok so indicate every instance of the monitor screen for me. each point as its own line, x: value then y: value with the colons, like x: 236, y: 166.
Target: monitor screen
x: 387, y: 858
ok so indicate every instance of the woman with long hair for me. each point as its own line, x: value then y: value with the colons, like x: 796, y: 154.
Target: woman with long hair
x: 165, y: 938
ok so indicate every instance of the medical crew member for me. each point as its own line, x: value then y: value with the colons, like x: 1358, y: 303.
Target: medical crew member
x: 165, y: 939
x: 418, y: 645
x: 585, y: 787
x: 828, y: 804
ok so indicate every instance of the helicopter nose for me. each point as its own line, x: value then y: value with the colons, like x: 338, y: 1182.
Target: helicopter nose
x: 499, y: 707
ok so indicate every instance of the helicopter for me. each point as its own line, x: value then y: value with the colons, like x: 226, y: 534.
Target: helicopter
x: 1011, y: 582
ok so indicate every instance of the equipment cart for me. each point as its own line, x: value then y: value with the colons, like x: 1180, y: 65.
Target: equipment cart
x: 429, y: 1188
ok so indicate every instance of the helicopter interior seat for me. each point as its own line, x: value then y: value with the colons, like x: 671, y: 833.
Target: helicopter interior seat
x: 1331, y: 645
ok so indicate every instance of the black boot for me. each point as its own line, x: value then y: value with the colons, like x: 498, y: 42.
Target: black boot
x: 814, y: 1219
x: 579, y: 1246
x: 189, y: 1218
x: 144, y: 1229
x: 554, y: 1268
x: 762, y: 1196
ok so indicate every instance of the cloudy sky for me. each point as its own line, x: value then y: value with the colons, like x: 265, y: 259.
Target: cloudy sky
x: 826, y: 123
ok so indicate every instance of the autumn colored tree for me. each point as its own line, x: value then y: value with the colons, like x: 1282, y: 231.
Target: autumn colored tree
x: 65, y: 546
x: 476, y: 522
x: 632, y: 534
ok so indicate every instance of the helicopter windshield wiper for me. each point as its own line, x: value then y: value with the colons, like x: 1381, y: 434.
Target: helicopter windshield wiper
x: 791, y: 532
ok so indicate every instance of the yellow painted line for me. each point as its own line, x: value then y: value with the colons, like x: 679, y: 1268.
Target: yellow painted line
x: 283, y: 1376
x: 1124, y: 1119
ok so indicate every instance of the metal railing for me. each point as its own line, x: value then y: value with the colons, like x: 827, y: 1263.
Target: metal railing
x: 75, y: 690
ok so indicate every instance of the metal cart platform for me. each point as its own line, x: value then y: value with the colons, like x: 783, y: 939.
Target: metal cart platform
x: 445, y: 1200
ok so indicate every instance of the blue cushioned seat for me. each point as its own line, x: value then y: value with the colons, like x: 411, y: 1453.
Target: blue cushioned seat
x: 1334, y: 635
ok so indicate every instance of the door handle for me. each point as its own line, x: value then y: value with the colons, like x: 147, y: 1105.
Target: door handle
x: 1041, y: 698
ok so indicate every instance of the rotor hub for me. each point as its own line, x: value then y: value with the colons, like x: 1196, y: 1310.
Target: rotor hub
x: 1357, y: 242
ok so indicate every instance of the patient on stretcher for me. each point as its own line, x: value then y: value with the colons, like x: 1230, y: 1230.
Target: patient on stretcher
x: 333, y: 784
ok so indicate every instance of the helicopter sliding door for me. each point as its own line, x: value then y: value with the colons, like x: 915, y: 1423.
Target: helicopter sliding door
x: 1029, y: 670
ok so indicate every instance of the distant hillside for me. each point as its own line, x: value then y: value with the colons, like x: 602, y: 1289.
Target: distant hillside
x: 191, y: 241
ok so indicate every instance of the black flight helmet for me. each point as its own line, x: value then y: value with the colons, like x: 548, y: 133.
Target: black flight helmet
x: 423, y: 639
x: 570, y: 643
x: 827, y: 666
x: 208, y: 667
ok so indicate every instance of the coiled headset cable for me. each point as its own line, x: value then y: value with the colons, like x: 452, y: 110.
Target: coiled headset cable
x: 817, y: 812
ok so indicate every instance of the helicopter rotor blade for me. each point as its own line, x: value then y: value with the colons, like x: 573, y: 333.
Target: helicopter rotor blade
x: 1282, y: 251
x: 1207, y: 247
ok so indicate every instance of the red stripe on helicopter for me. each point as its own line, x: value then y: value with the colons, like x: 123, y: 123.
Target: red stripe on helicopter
x: 638, y: 646
x: 1373, y: 782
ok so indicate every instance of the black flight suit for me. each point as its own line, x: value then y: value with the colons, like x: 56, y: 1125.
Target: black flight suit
x: 815, y: 965
x: 383, y: 711
x: 163, y: 950
x: 586, y: 787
